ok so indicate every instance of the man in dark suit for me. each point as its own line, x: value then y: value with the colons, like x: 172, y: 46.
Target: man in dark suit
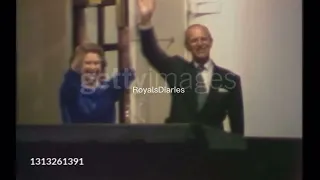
x: 211, y: 92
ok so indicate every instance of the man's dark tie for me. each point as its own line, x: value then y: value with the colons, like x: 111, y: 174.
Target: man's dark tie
x: 201, y: 89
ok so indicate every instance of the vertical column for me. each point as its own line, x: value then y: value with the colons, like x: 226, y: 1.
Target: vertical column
x: 79, y: 28
x: 124, y: 55
x: 100, y: 28
x: 100, y: 19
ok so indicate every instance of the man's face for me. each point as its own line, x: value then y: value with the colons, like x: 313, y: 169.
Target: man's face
x: 91, y: 67
x: 199, y: 43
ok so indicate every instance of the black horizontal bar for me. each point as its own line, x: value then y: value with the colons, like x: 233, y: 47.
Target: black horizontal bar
x: 110, y: 47
x: 85, y: 3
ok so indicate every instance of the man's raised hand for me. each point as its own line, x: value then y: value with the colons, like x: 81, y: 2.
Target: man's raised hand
x: 146, y: 9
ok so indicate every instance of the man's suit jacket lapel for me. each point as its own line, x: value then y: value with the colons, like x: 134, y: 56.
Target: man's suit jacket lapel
x: 192, y: 97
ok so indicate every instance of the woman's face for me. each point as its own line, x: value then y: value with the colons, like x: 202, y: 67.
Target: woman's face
x: 91, y: 66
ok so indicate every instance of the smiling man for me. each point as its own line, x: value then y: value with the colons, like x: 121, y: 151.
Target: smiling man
x: 211, y: 92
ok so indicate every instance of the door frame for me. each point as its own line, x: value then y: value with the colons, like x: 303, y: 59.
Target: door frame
x: 122, y: 46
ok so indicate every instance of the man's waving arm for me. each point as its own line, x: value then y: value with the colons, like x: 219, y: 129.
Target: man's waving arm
x: 150, y: 48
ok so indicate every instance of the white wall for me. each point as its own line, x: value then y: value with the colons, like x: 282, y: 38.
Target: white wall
x: 261, y: 40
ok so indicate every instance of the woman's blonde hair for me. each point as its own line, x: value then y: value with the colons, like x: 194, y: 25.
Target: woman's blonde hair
x: 86, y: 48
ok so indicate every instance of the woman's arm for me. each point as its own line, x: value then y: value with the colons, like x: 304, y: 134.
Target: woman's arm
x: 121, y: 81
x: 68, y: 92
